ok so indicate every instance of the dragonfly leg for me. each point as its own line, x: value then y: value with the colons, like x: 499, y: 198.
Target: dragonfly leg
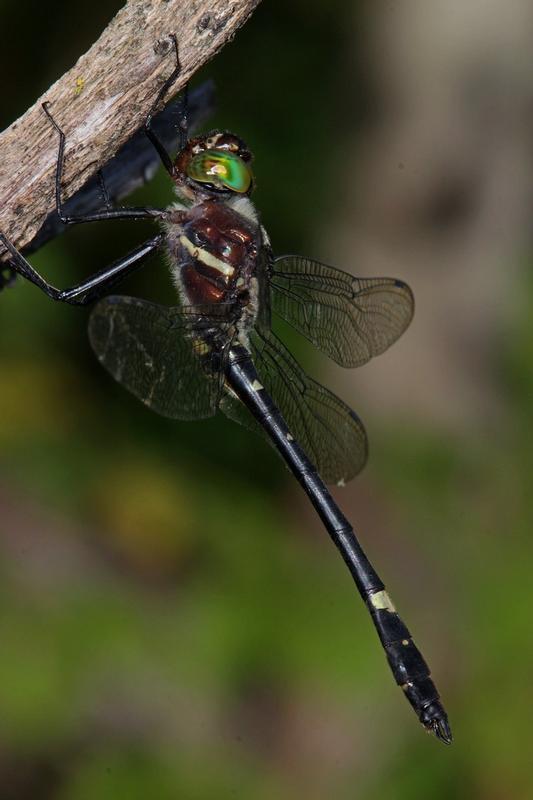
x: 93, y: 287
x: 183, y: 121
x: 97, y: 216
x: 103, y: 190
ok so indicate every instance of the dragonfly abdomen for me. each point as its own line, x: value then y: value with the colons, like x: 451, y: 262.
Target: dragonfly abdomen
x: 408, y: 666
x: 406, y: 661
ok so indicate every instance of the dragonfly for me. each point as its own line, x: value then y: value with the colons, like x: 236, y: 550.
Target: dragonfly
x: 215, y: 350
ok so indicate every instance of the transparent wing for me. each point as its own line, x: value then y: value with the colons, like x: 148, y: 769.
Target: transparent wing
x: 157, y: 354
x: 329, y: 432
x: 237, y: 411
x: 349, y: 319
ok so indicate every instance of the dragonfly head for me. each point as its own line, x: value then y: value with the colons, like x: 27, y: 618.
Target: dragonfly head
x: 217, y: 162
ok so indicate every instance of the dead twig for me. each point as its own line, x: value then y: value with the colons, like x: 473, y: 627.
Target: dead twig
x: 104, y: 98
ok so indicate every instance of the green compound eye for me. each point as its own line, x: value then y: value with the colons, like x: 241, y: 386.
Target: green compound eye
x: 224, y: 170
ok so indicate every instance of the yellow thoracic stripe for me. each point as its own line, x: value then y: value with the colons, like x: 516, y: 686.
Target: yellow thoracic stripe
x: 207, y: 258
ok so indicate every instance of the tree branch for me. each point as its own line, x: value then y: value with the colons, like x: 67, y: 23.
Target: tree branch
x: 103, y: 100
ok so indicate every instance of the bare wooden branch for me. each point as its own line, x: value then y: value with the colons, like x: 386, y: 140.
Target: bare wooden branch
x: 104, y: 98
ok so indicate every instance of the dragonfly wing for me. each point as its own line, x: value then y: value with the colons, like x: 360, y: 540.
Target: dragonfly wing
x: 330, y: 433
x: 156, y: 353
x: 237, y: 411
x: 349, y: 319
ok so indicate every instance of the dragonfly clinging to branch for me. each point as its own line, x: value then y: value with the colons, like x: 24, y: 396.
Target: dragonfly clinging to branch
x: 215, y: 350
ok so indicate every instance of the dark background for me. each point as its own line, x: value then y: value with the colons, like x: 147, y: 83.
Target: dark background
x: 173, y: 620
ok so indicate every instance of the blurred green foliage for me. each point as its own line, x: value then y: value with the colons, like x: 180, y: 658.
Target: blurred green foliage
x: 173, y: 622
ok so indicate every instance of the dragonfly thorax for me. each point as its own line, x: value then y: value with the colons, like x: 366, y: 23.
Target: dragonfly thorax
x: 213, y: 250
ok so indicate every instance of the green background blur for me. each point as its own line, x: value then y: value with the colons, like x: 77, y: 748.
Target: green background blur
x: 174, y: 622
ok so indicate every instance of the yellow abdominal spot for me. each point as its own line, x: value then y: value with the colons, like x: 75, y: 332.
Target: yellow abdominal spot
x: 382, y: 602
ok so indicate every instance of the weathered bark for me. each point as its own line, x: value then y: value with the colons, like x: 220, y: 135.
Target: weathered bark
x: 104, y: 98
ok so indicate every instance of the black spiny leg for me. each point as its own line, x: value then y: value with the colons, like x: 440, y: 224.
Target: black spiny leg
x: 159, y: 146
x: 92, y: 288
x: 103, y: 189
x: 107, y: 213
